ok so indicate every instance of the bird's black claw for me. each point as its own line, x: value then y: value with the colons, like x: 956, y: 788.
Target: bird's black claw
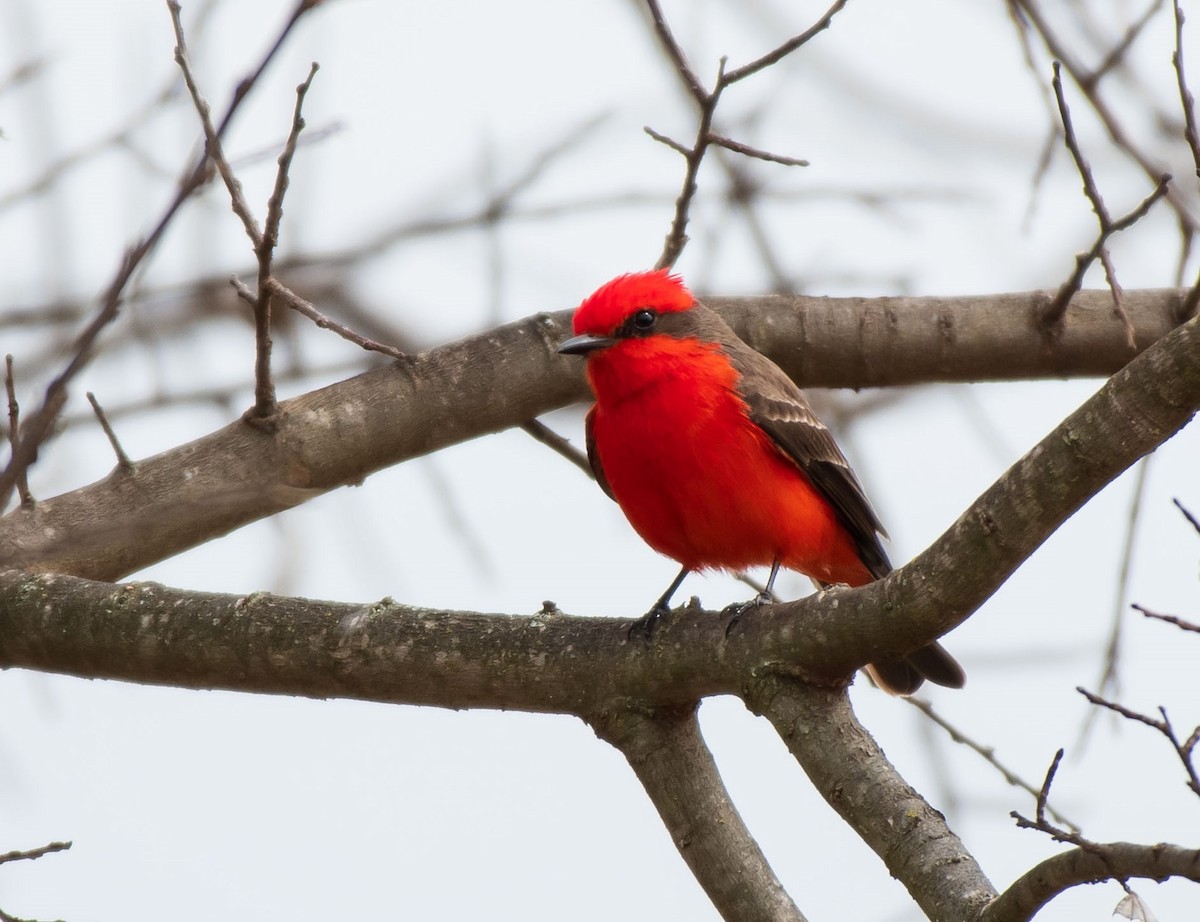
x: 644, y: 626
x: 738, y: 609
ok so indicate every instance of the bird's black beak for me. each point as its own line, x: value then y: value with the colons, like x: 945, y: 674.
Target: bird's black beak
x: 582, y: 345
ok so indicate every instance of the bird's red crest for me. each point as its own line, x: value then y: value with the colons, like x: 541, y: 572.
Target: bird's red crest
x: 614, y: 302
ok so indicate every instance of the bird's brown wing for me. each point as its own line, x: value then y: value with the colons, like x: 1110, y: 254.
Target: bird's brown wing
x: 777, y: 405
x: 593, y: 455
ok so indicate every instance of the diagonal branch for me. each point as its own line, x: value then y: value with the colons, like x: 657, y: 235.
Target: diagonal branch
x: 669, y: 756
x: 850, y: 771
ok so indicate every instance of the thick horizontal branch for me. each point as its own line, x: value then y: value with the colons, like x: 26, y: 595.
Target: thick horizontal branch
x: 153, y: 634
x: 1105, y: 861
x: 340, y: 434
x: 553, y: 662
x: 885, y: 342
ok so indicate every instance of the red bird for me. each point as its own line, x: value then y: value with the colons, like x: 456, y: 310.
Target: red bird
x: 717, y: 459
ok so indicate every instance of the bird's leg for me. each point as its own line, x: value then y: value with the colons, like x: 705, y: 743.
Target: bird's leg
x: 645, y: 624
x: 738, y: 609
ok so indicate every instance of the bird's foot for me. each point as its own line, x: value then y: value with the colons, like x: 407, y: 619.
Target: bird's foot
x: 644, y: 626
x: 738, y: 609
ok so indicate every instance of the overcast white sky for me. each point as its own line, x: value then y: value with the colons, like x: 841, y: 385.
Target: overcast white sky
x: 195, y: 806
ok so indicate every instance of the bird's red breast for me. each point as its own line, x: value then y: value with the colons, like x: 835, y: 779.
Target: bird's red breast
x: 696, y: 476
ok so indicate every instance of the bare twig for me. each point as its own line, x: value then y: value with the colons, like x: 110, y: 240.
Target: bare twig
x: 34, y: 853
x: 988, y: 753
x: 1186, y: 101
x: 1192, y: 136
x: 263, y: 240
x: 1028, y: 12
x: 14, y: 429
x: 1052, y: 317
x: 31, y: 855
x: 1116, y: 54
x: 1169, y: 619
x: 301, y: 306
x: 1184, y: 750
x: 556, y: 442
x: 265, y: 406
x: 669, y: 142
x: 1044, y: 793
x: 123, y: 461
x: 1110, y: 681
x: 778, y: 54
x: 747, y: 151
x: 1195, y: 522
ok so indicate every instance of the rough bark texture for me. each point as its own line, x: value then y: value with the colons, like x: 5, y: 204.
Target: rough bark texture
x: 851, y: 772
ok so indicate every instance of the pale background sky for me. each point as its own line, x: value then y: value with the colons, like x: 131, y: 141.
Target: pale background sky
x: 196, y: 806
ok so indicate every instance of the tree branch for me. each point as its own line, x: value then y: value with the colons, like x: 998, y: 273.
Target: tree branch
x: 851, y: 772
x: 388, y: 652
x: 668, y: 754
x: 339, y: 434
x: 1104, y: 861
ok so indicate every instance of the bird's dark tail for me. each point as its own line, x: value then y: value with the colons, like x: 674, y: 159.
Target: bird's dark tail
x: 905, y: 676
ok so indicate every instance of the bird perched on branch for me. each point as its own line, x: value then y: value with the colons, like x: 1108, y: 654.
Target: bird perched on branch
x: 717, y: 459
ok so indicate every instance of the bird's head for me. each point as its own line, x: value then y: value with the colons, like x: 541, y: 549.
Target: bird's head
x: 628, y: 307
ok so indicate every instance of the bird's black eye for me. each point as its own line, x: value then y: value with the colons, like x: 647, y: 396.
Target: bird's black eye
x: 644, y: 319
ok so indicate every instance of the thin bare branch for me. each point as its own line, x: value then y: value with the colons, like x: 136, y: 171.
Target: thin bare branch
x: 1162, y: 723
x: 988, y: 754
x: 34, y: 853
x: 275, y: 203
x: 212, y: 139
x: 306, y: 308
x: 1110, y: 682
x: 1169, y: 619
x: 1187, y: 101
x: 1053, y: 314
x: 787, y: 47
x: 14, y: 428
x: 1195, y: 522
x: 124, y: 464
x: 669, y: 142
x: 675, y: 52
x: 1117, y: 53
x: 746, y: 150
x: 706, y: 103
x: 556, y: 442
x: 1029, y: 12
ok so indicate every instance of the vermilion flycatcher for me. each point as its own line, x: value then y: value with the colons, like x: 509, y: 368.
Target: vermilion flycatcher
x: 716, y: 458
